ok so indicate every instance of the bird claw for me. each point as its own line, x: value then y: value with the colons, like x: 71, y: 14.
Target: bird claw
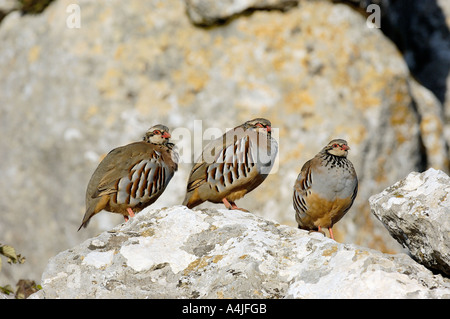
x: 232, y: 206
x: 130, y: 214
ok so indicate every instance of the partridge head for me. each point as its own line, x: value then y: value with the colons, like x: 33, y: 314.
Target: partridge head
x: 133, y: 176
x: 232, y: 165
x: 326, y: 188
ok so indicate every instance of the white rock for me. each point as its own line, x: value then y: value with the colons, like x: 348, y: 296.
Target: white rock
x: 164, y: 245
x: 136, y: 63
x: 181, y: 253
x: 416, y: 211
x: 98, y: 259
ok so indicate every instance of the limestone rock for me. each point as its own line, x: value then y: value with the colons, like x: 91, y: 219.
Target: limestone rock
x: 421, y: 31
x: 180, y: 253
x: 69, y: 95
x: 416, y: 211
x: 432, y: 125
x: 6, y: 6
x: 210, y: 12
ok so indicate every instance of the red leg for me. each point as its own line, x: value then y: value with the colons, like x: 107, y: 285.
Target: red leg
x: 130, y: 214
x: 231, y: 205
x: 331, y: 233
x: 227, y: 203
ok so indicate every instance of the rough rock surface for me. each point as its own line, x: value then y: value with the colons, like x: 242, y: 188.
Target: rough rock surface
x: 207, y: 12
x: 7, y: 6
x: 69, y: 95
x: 180, y: 253
x: 421, y: 31
x: 416, y: 211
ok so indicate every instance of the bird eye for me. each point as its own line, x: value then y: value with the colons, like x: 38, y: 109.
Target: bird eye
x: 335, y: 145
x: 157, y: 132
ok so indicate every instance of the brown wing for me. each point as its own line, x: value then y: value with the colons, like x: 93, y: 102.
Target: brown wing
x: 237, y: 161
x: 197, y: 176
x: 302, y: 188
x: 225, y: 161
x: 135, y: 174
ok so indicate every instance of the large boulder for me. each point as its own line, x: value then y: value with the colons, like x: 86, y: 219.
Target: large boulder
x: 421, y: 31
x: 69, y: 95
x: 181, y: 253
x: 416, y: 211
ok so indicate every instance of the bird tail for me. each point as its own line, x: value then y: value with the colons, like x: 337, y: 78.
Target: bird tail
x: 87, y: 217
x: 93, y: 207
x: 192, y: 199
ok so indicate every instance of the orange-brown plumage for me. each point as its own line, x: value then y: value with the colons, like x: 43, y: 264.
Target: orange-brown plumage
x: 326, y: 188
x: 133, y: 176
x: 231, y: 166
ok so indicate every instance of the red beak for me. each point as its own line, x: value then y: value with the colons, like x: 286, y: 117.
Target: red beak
x: 269, y: 129
x: 166, y: 135
x: 345, y: 147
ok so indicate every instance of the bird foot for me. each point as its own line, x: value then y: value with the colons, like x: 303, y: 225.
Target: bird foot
x: 130, y: 214
x: 232, y: 206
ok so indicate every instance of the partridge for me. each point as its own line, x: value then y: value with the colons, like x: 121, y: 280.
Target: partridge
x: 133, y: 176
x: 232, y: 165
x: 325, y: 188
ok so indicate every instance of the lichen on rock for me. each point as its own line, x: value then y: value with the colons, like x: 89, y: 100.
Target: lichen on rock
x: 176, y: 252
x: 416, y: 211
